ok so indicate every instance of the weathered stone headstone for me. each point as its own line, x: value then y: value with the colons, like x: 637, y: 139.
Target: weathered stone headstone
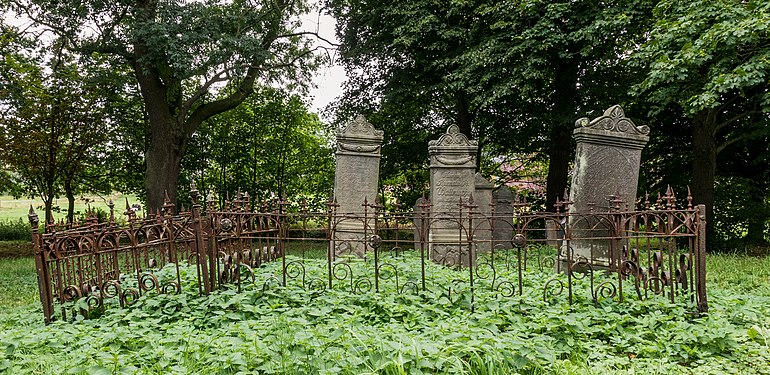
x: 482, y: 226
x: 452, y: 180
x: 418, y: 218
x: 503, y: 231
x: 606, y: 164
x: 355, y: 182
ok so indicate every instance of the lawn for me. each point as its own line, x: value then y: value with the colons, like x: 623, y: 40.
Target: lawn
x: 291, y: 330
x: 13, y: 209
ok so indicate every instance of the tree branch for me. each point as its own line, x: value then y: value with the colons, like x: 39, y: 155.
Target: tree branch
x: 302, y: 33
x: 734, y: 119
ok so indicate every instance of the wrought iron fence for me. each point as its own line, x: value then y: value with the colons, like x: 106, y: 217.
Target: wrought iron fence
x: 656, y: 250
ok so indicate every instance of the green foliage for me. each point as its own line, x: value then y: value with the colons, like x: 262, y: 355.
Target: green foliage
x: 293, y: 330
x: 702, y: 53
x: 269, y: 145
x: 512, y: 74
x: 14, y: 230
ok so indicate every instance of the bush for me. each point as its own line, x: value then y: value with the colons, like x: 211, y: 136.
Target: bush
x: 11, y: 230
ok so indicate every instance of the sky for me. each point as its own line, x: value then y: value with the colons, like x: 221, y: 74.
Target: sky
x: 328, y: 79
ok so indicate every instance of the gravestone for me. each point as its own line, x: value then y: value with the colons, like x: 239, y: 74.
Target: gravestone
x: 452, y: 181
x: 417, y: 219
x: 606, y: 168
x: 482, y: 227
x: 355, y: 182
x: 503, y: 219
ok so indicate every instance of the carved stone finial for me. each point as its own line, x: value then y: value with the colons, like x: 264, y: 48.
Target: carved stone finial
x: 453, y: 137
x: 359, y: 137
x: 614, y: 120
x: 359, y: 127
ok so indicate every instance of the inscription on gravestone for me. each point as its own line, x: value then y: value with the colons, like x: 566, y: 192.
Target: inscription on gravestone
x: 355, y: 182
x: 452, y: 181
x: 606, y: 167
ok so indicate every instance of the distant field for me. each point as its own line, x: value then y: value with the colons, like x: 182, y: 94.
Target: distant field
x: 13, y: 209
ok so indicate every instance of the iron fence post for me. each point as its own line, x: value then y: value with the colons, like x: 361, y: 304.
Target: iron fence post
x: 701, y: 259
x: 43, y: 273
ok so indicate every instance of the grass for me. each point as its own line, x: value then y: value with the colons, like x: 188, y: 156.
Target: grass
x: 294, y: 331
x: 13, y: 209
x: 18, y: 283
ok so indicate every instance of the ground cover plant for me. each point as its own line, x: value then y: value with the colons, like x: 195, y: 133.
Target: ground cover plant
x: 298, y: 330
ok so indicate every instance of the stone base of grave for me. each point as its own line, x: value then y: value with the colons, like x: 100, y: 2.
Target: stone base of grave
x: 449, y: 250
x: 351, y: 240
x: 594, y: 252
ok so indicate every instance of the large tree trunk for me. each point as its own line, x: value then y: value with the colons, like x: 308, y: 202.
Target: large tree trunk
x: 564, y: 113
x: 68, y: 191
x: 163, y: 160
x: 704, y: 162
x: 560, y: 154
x: 48, y: 201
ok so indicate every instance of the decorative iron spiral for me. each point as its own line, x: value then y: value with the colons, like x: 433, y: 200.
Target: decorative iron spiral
x: 247, y: 272
x: 295, y: 270
x: 605, y: 290
x: 581, y: 262
x: 552, y: 291
x: 491, y: 276
x: 654, y: 285
x: 316, y: 284
x: 343, y: 271
x: 93, y: 302
x: 387, y: 276
x: 111, y: 289
x: 411, y: 285
x: 129, y: 296
x: 271, y: 280
x: 148, y: 282
x: 505, y: 288
x: 71, y: 293
x: 170, y: 287
x: 630, y: 268
x: 362, y: 285
x: 457, y: 291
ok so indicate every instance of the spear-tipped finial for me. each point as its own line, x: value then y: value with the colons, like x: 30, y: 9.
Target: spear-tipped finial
x: 33, y: 219
x: 689, y: 198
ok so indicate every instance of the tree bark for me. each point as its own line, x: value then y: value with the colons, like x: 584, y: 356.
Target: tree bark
x: 163, y: 160
x: 70, y: 200
x: 48, y: 201
x: 565, y: 97
x: 704, y: 162
x: 560, y: 154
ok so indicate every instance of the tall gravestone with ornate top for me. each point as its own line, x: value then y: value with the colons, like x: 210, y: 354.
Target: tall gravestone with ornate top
x: 452, y: 181
x: 355, y: 182
x: 606, y: 169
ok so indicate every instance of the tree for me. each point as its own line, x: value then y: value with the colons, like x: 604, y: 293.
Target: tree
x: 52, y: 122
x: 514, y: 74
x: 709, y: 58
x: 180, y: 52
x: 267, y: 146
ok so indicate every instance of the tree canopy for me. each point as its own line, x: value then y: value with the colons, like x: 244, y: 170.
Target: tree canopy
x: 181, y: 55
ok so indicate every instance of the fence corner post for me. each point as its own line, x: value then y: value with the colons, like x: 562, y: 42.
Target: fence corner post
x: 700, y: 213
x: 43, y: 274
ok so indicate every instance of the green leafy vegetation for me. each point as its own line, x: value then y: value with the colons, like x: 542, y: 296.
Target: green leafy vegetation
x: 294, y: 330
x: 14, y: 230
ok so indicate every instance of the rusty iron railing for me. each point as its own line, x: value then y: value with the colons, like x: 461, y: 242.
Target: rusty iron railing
x: 656, y: 250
